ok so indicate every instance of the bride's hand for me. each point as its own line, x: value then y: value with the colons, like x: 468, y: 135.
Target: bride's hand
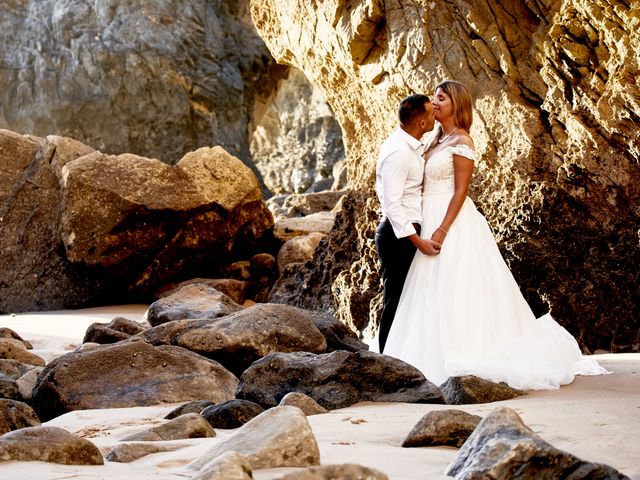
x: 438, y: 236
x: 429, y: 247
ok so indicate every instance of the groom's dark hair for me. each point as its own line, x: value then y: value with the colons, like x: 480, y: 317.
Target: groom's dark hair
x: 412, y: 107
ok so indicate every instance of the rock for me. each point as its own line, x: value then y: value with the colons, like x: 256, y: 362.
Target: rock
x: 298, y: 249
x: 287, y: 228
x: 195, y: 406
x: 149, y: 222
x: 171, y: 80
x: 239, y: 339
x: 15, y: 415
x: 231, y: 414
x: 344, y: 472
x: 234, y: 289
x: 9, y: 388
x: 13, y: 368
x: 8, y: 333
x: 118, y: 329
x: 130, y: 452
x: 48, y: 444
x: 471, y: 389
x: 279, y: 437
x: 502, y: 444
x: 442, y: 427
x: 193, y: 301
x: 303, y: 204
x: 27, y: 381
x: 228, y: 466
x: 127, y: 375
x: 305, y: 403
x: 554, y: 93
x: 340, y: 176
x: 335, y: 380
x: 189, y: 425
x: 297, y: 141
x: 337, y: 334
x: 264, y: 272
x: 240, y: 270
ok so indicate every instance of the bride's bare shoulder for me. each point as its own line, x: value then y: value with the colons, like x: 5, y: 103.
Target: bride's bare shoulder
x: 463, y: 138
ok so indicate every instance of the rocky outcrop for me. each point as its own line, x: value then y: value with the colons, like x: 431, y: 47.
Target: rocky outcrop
x: 157, y: 81
x: 127, y: 375
x: 48, y: 444
x: 79, y: 227
x: 502, y: 444
x: 556, y: 107
x: 297, y: 141
x: 335, y: 380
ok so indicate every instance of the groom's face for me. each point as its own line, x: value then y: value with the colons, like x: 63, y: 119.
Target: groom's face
x: 428, y: 119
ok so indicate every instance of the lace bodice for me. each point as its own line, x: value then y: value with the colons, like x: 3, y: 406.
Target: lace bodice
x: 438, y: 171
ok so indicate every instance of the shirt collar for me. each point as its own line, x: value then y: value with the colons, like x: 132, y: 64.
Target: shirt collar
x: 412, y: 141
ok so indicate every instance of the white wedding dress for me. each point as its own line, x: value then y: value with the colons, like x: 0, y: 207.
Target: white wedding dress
x: 462, y: 313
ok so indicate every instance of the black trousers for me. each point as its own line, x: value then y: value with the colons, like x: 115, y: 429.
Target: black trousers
x: 395, y: 255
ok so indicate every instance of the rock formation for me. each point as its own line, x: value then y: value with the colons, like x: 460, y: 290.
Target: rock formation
x: 78, y: 227
x: 157, y: 79
x: 555, y: 126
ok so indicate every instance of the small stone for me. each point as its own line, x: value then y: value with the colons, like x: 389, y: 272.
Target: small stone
x: 190, y: 425
x: 305, y: 403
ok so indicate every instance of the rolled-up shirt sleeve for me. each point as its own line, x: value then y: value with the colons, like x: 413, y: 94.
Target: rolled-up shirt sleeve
x: 395, y: 170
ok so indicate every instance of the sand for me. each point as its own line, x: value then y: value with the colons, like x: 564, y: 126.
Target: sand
x: 595, y: 418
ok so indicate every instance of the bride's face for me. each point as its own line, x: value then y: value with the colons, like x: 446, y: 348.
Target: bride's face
x: 442, y: 105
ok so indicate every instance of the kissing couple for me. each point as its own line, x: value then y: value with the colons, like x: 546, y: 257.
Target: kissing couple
x: 451, y: 305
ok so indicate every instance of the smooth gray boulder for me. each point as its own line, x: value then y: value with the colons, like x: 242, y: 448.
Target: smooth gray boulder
x: 48, y: 444
x: 335, y: 380
x: 190, y: 425
x: 127, y: 375
x: 470, y: 389
x: 503, y: 447
x: 15, y: 415
x: 442, y: 427
x: 279, y: 437
x: 27, y: 381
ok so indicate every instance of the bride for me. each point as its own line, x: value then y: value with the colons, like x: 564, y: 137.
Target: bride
x: 461, y: 312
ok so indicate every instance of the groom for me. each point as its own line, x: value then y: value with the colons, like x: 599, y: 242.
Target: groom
x: 399, y: 173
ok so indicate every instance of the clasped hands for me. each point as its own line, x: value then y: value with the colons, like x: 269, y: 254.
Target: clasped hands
x: 426, y: 245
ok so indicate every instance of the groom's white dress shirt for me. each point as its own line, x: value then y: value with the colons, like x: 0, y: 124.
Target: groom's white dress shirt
x: 399, y: 173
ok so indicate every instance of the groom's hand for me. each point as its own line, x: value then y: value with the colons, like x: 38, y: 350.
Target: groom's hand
x: 425, y: 245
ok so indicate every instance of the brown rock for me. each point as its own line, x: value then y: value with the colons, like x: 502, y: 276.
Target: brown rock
x: 442, y: 427
x: 195, y: 406
x: 9, y: 388
x: 48, y: 444
x: 298, y: 249
x: 501, y: 445
x: 190, y: 425
x: 228, y: 466
x: 471, y: 389
x: 15, y: 415
x: 329, y: 472
x: 193, y: 301
x: 15, y: 350
x: 116, y: 330
x: 127, y: 375
x: 10, y: 334
x: 554, y: 93
x: 130, y: 452
x: 305, y: 403
x: 234, y: 289
x: 13, y: 368
x: 231, y: 414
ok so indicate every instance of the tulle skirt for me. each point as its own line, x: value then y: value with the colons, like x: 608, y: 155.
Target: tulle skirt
x: 462, y: 313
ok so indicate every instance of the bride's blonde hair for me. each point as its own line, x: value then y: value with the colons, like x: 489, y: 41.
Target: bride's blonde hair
x: 460, y: 101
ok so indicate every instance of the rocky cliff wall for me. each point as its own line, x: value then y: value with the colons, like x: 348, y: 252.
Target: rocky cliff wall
x: 156, y: 78
x: 557, y: 102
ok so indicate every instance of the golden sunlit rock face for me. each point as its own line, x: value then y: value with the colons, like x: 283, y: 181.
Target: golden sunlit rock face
x: 557, y: 102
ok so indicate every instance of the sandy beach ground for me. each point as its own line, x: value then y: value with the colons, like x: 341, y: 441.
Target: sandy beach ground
x: 595, y: 418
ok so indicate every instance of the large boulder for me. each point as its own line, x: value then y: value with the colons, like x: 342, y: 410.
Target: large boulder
x: 48, y: 444
x: 15, y: 415
x: 557, y: 106
x: 241, y: 338
x: 335, y: 380
x: 146, y: 222
x: 127, y: 375
x: 502, y: 444
x: 83, y: 228
x: 231, y: 414
x: 158, y: 81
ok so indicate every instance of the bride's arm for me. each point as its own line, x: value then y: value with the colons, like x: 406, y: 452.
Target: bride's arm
x: 463, y: 170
